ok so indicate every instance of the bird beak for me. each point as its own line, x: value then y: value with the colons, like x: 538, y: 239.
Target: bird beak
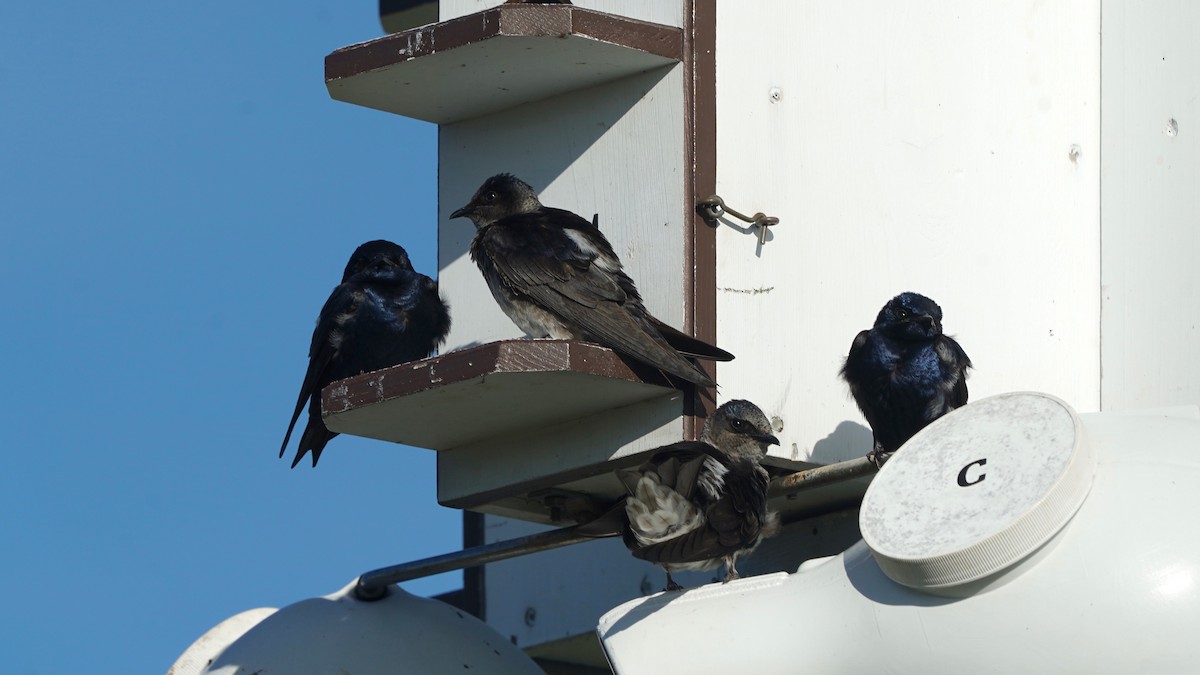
x: 769, y: 439
x: 461, y: 212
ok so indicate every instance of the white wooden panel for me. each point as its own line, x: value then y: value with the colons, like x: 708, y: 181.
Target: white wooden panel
x: 666, y: 12
x: 570, y: 588
x: 586, y: 152
x: 586, y: 444
x: 576, y: 585
x: 1151, y: 203
x: 913, y: 146
x: 567, y: 589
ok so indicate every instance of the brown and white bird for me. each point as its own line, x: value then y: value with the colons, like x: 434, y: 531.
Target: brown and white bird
x: 555, y: 275
x: 696, y: 505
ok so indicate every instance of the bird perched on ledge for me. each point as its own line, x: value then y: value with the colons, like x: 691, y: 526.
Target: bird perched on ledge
x: 382, y: 314
x: 697, y: 504
x: 555, y: 275
x: 904, y: 373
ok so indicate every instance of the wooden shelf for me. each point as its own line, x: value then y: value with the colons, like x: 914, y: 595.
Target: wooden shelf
x: 487, y: 391
x: 496, y: 413
x: 495, y: 59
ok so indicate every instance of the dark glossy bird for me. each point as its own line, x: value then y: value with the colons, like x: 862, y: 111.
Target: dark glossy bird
x: 555, y: 275
x: 904, y: 373
x: 698, y: 504
x: 382, y: 314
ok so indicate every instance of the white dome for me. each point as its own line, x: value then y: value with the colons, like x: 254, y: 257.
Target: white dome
x: 340, y: 634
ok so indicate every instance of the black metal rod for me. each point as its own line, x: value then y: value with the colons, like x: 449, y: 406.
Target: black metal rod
x: 373, y: 585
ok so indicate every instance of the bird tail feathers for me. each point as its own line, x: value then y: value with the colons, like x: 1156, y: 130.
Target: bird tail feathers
x: 687, y: 345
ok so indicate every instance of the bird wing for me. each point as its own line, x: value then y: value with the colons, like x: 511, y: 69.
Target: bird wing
x: 851, y: 367
x: 435, y: 314
x: 681, y: 466
x: 677, y: 468
x: 563, y: 264
x: 681, y: 342
x: 856, y: 348
x: 955, y: 361
x: 559, y: 250
x: 321, y: 354
x: 733, y: 522
x: 734, y: 513
x: 737, y: 519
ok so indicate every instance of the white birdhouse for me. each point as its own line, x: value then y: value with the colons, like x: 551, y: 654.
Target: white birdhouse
x: 1028, y: 165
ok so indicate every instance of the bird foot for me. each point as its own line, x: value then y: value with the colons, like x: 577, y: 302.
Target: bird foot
x: 878, y: 457
x: 672, y: 585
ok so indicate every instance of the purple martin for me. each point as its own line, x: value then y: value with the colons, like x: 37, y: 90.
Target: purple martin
x: 555, y: 275
x: 697, y: 504
x: 382, y: 314
x: 904, y: 373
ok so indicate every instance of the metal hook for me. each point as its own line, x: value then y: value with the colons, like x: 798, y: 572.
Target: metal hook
x: 714, y: 207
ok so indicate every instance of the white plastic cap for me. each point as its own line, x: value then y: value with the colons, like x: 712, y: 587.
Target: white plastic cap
x: 977, y: 490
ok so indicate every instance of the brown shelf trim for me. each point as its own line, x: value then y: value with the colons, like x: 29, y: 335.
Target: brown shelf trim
x: 506, y: 356
x: 518, y: 20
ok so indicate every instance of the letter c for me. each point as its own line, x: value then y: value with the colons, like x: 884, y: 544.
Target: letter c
x: 962, y: 475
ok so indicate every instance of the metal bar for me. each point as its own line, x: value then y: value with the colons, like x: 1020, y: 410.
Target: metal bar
x: 373, y: 585
x: 824, y: 475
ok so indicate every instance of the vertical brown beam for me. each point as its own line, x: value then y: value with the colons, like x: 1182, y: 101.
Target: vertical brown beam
x: 474, y: 578
x: 700, y: 149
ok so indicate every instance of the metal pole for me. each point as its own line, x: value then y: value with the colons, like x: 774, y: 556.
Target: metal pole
x: 373, y: 585
x: 823, y: 475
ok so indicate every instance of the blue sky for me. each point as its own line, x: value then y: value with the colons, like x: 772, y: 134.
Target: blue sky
x: 180, y: 195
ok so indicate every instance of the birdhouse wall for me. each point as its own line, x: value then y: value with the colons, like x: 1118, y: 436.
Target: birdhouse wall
x: 1150, y: 204
x: 908, y: 147
x: 615, y: 150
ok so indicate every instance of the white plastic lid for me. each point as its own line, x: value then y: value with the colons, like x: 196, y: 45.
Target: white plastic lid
x: 977, y: 490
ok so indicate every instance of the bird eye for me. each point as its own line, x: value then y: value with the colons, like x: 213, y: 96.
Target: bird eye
x: 737, y: 425
x: 490, y: 196
x: 901, y: 313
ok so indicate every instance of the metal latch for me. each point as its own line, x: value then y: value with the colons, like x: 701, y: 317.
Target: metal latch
x: 714, y: 207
